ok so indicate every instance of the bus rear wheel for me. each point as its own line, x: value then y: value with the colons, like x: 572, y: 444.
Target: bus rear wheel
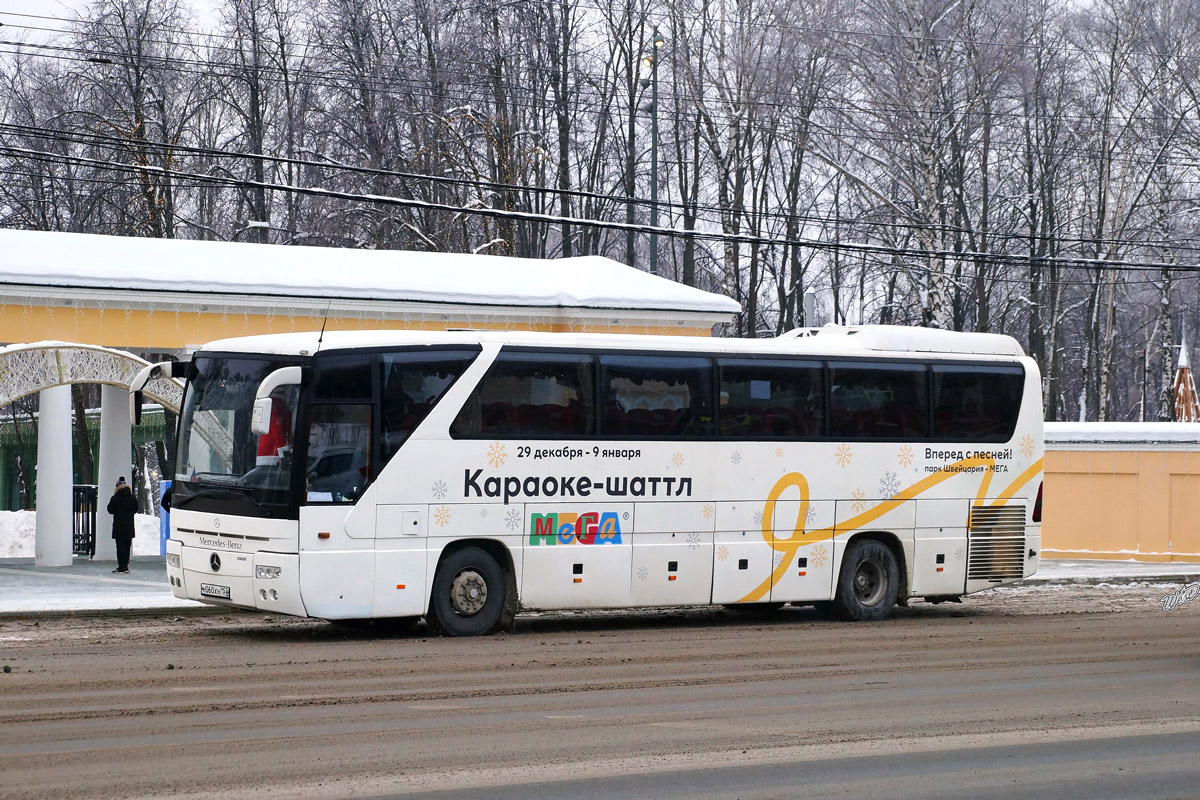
x: 868, y: 582
x: 468, y: 593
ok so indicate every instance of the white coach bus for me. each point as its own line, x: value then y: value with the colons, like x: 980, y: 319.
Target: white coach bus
x: 465, y: 476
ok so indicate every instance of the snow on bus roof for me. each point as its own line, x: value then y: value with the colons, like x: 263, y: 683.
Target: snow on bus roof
x: 901, y: 338
x: 46, y: 258
x: 893, y: 339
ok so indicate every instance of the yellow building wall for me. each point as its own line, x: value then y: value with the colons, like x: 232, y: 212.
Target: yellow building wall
x: 166, y: 329
x: 1121, y: 504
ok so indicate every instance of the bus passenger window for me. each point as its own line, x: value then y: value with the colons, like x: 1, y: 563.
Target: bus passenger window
x: 410, y: 385
x: 339, y: 452
x: 976, y: 403
x: 346, y: 377
x: 770, y: 398
x: 878, y: 401
x: 531, y: 394
x: 665, y: 396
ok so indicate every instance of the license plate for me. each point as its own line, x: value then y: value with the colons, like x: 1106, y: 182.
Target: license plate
x: 213, y: 590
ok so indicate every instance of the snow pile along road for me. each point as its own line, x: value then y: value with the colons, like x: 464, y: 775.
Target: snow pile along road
x: 17, y: 534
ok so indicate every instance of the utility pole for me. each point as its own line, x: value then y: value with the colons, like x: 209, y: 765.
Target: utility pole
x: 651, y: 61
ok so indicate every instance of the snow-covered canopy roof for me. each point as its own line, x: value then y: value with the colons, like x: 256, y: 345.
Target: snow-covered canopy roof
x: 52, y: 259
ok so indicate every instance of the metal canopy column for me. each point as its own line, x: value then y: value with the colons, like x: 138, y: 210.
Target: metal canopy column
x: 52, y: 537
x: 116, y: 441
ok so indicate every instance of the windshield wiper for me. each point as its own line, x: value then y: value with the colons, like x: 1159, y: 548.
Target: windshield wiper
x: 224, y: 490
x: 214, y: 479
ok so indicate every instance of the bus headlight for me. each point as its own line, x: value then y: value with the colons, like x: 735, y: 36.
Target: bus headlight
x: 173, y: 560
x: 265, y: 573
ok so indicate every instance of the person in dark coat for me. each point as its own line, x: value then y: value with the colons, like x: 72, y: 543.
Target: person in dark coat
x: 122, y: 505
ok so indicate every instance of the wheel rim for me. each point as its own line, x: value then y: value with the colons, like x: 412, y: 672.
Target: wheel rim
x: 468, y: 593
x: 870, y: 581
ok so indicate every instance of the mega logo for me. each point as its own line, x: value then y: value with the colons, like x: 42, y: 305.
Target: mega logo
x: 590, y: 528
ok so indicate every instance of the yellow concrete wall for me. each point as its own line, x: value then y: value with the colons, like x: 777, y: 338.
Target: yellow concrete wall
x: 166, y: 329
x: 1121, y: 504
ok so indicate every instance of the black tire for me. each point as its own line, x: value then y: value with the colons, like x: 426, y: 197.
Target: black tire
x: 468, y: 594
x: 868, y: 582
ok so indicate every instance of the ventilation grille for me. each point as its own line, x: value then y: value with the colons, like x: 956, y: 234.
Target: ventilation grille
x: 997, y: 543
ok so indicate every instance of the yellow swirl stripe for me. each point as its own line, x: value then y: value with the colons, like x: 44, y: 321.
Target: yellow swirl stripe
x: 789, y: 546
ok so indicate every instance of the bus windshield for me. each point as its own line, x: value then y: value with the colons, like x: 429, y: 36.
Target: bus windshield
x: 223, y: 466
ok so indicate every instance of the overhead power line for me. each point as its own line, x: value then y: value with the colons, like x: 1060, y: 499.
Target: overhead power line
x: 702, y: 235
x: 1178, y: 245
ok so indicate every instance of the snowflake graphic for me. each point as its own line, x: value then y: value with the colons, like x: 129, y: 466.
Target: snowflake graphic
x: 736, y: 457
x: 758, y: 517
x: 811, y: 516
x: 889, y: 484
x: 439, y: 490
x: 842, y: 455
x: 483, y: 512
x: 677, y: 459
x: 693, y: 541
x: 960, y: 554
x: 707, y: 511
x: 643, y: 573
x: 818, y: 556
x: 856, y: 500
x: 905, y: 456
x: 722, y: 553
x: 441, y: 516
x: 778, y: 557
x: 779, y: 452
x: 1026, y: 446
x: 512, y: 519
x: 497, y: 454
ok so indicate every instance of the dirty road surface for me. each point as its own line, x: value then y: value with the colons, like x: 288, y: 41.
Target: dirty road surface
x: 1087, y: 691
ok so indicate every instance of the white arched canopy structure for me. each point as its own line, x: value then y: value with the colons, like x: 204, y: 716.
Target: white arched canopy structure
x: 49, y: 369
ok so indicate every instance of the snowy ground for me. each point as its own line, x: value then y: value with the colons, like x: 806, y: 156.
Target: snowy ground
x: 17, y: 534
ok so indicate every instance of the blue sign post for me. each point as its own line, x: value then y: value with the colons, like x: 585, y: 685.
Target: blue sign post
x: 164, y: 519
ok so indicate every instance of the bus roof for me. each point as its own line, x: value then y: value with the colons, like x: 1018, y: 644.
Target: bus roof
x: 827, y: 341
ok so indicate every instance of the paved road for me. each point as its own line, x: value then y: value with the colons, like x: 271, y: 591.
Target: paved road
x: 1068, y: 692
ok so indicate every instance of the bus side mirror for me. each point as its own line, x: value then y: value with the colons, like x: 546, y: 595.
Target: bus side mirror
x: 135, y: 408
x: 260, y: 421
x: 169, y: 369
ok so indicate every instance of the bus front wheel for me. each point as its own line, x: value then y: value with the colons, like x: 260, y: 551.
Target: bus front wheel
x: 468, y: 593
x: 868, y: 582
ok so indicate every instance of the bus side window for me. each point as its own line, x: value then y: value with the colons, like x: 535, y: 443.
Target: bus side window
x: 977, y: 403
x: 410, y: 385
x: 339, y: 452
x: 878, y: 401
x: 658, y: 396
x: 531, y: 394
x: 770, y: 398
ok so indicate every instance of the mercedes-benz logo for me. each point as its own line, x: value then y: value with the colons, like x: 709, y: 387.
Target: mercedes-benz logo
x: 214, y: 561
x: 217, y: 523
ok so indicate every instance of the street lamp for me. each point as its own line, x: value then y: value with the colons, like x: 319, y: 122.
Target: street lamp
x: 651, y: 60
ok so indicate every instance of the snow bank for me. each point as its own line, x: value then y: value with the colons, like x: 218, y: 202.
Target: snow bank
x: 1122, y: 433
x: 17, y: 534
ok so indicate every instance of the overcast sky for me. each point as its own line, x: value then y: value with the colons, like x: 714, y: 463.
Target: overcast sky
x: 203, y: 9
